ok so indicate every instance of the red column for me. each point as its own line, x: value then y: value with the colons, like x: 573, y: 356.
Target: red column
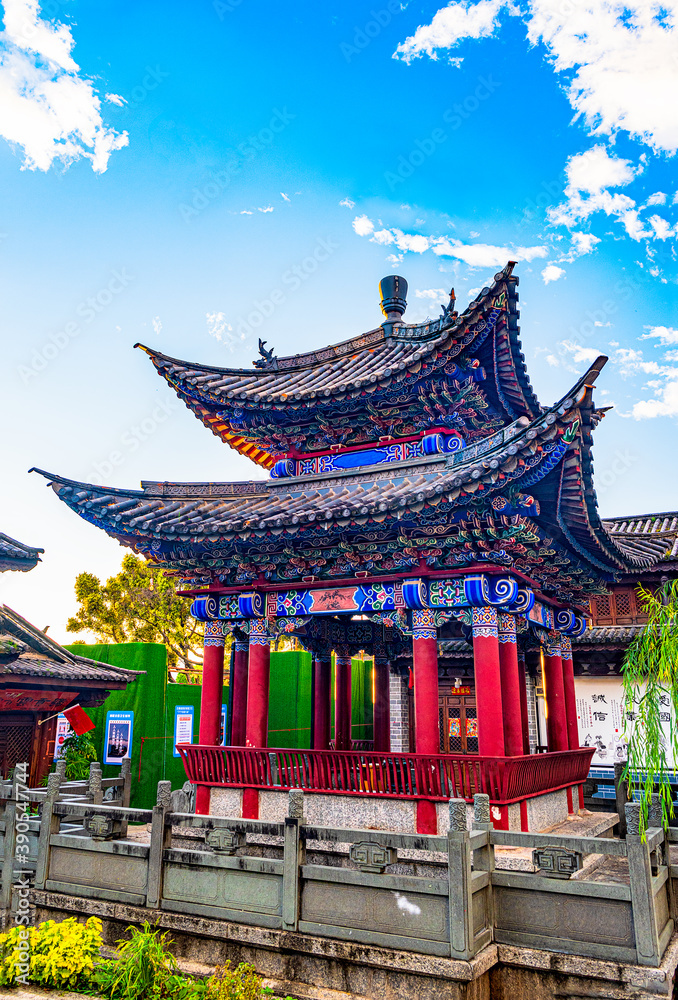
x: 523, y: 702
x: 510, y: 685
x: 556, y: 720
x: 212, y: 685
x: 210, y: 701
x: 342, y: 703
x: 488, y: 682
x: 322, y: 667
x: 425, y: 670
x: 570, y: 697
x: 426, y: 710
x: 382, y: 701
x: 240, y: 671
x: 256, y: 730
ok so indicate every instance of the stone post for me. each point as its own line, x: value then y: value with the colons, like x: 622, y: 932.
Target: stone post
x: 161, y: 840
x: 459, y: 881
x: 293, y: 851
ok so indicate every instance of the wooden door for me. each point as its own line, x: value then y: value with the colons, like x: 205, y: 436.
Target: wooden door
x: 459, y: 720
x: 17, y: 734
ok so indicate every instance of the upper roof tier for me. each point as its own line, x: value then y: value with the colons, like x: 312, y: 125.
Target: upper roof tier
x: 462, y: 371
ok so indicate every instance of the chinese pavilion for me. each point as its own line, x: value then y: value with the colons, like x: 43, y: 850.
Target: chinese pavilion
x: 418, y: 490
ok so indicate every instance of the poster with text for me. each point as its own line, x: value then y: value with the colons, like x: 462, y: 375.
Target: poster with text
x: 63, y: 731
x: 118, y: 737
x: 183, y: 725
x: 602, y: 718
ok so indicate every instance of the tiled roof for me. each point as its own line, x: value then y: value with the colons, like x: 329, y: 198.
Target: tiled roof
x: 26, y: 651
x: 16, y: 555
x: 265, y: 412
x: 653, y: 535
x: 606, y: 636
x: 256, y: 525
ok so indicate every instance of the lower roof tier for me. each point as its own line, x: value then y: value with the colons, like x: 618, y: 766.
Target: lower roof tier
x: 521, y: 498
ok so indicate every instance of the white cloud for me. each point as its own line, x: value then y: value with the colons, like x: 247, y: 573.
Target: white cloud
x: 662, y: 228
x: 552, y: 273
x: 618, y: 65
x: 218, y: 328
x: 485, y: 254
x: 448, y: 27
x: 47, y: 107
x: 267, y: 208
x: 664, y: 334
x: 665, y: 405
x: 285, y: 197
x: 435, y: 294
x: 246, y: 211
x: 347, y: 203
x: 116, y: 99
x: 157, y: 325
x: 619, y: 58
x: 473, y: 254
x: 362, y: 225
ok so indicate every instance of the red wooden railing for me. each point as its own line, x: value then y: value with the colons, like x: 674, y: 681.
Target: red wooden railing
x: 393, y: 775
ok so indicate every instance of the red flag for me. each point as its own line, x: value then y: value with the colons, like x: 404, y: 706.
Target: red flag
x: 79, y: 720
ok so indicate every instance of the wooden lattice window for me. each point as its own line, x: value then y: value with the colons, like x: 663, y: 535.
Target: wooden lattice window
x: 623, y: 604
x: 602, y: 611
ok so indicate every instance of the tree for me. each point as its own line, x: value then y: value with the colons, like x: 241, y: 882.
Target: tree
x: 650, y: 675
x: 139, y: 604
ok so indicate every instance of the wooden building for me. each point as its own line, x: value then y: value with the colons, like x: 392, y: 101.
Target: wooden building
x: 419, y: 493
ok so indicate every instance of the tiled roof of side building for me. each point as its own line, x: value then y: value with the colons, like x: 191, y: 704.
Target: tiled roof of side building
x: 26, y: 651
x: 16, y: 555
x: 647, y: 534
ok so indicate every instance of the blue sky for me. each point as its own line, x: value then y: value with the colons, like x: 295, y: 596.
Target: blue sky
x: 165, y: 167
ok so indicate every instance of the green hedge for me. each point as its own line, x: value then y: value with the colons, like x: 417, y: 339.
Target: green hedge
x: 153, y: 701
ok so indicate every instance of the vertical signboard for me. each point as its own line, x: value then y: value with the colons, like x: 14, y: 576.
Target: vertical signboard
x: 63, y: 731
x: 183, y: 726
x: 118, y: 737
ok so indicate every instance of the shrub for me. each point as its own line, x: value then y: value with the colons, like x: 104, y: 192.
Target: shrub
x: 61, y: 955
x: 78, y: 752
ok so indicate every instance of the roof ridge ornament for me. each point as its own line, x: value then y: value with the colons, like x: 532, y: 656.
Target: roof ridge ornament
x: 393, y: 292
x: 267, y: 360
